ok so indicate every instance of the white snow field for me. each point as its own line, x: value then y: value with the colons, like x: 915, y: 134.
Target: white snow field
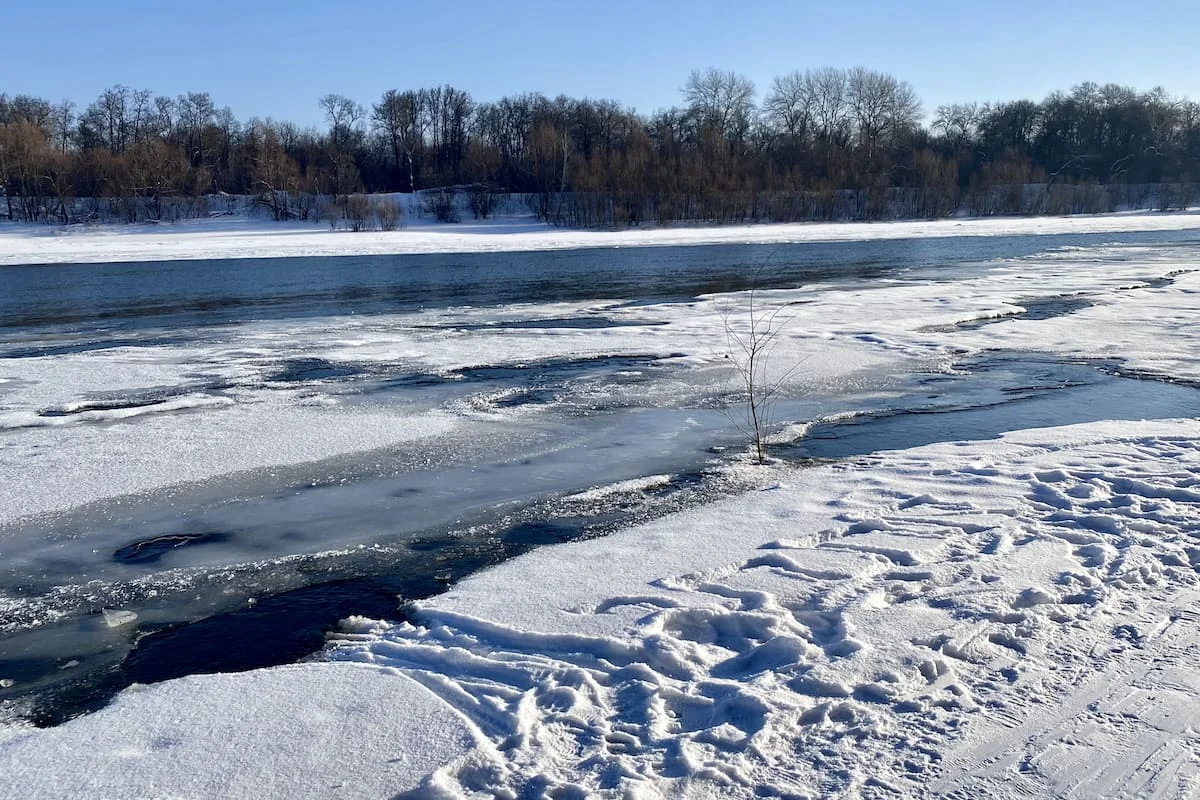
x: 1002, y: 619
x: 240, y: 237
x: 1007, y: 618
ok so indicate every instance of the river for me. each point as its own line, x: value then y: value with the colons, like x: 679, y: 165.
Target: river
x: 209, y: 463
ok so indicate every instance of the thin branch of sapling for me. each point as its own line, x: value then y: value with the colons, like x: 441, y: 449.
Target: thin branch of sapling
x: 751, y: 353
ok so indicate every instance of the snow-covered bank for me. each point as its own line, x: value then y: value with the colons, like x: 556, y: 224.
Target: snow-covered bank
x: 1018, y: 616
x: 252, y: 238
x: 1011, y: 618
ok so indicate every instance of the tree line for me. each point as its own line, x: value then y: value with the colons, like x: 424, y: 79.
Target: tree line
x: 824, y: 143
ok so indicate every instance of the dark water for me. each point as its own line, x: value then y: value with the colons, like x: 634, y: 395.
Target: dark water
x: 1001, y: 392
x: 1034, y: 308
x: 67, y: 671
x: 110, y: 300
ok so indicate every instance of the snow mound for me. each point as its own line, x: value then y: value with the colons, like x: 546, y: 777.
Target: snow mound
x: 633, y: 485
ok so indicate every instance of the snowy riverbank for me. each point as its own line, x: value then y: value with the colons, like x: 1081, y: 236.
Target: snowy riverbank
x: 1013, y: 618
x: 236, y: 237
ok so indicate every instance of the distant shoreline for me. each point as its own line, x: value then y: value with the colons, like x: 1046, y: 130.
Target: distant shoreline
x: 243, y: 237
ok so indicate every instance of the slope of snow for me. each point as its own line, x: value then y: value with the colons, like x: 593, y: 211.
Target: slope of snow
x: 256, y: 238
x: 1010, y: 618
x: 274, y: 733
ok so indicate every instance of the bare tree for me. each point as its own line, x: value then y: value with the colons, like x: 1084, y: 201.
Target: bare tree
x: 358, y: 212
x: 165, y: 112
x: 106, y: 121
x: 344, y: 115
x: 155, y: 172
x: 443, y: 205
x: 723, y: 100
x: 27, y: 161
x: 62, y: 119
x: 388, y: 213
x: 789, y: 106
x: 483, y: 199
x: 453, y: 111
x: 1016, y: 125
x: 958, y: 123
x: 275, y: 174
x: 752, y: 342
x: 827, y: 89
x: 141, y: 111
x: 881, y: 106
x: 400, y: 119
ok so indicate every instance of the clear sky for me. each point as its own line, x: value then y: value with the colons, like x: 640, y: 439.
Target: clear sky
x: 276, y: 58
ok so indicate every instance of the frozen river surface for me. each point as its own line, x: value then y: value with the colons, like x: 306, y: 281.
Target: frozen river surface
x: 206, y: 464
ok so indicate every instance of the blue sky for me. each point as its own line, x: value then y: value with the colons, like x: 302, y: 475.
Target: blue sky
x: 276, y: 59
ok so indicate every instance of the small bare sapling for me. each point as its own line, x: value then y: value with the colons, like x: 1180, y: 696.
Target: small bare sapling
x: 752, y: 338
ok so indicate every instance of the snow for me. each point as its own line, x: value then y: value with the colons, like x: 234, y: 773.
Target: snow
x: 1014, y: 618
x: 226, y: 237
x: 966, y: 614
x: 633, y: 485
x: 115, y: 618
x: 1006, y: 618
x: 154, y: 742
